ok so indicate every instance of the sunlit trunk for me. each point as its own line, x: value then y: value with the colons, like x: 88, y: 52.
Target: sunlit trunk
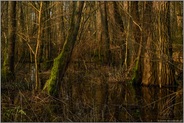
x: 164, y: 69
x: 147, y: 44
x: 36, y: 55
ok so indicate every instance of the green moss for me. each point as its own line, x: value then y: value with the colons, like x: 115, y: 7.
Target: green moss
x: 50, y: 85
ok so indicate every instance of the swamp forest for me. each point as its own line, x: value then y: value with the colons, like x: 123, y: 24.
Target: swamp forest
x: 91, y: 61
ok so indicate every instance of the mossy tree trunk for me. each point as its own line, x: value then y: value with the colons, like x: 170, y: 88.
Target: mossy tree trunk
x: 61, y: 62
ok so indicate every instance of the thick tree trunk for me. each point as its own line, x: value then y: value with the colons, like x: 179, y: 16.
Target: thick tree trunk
x: 164, y: 69
x: 61, y: 62
x: 157, y: 62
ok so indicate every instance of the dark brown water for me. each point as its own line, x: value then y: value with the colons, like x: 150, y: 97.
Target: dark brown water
x: 88, y: 97
x: 123, y: 102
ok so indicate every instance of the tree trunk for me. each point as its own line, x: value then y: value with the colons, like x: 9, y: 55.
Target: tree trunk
x: 164, y: 69
x: 37, y: 81
x: 8, y: 66
x: 117, y: 16
x: 98, y: 28
x: 61, y: 62
x: 157, y: 62
x: 147, y: 39
x: 106, y: 34
x: 119, y: 35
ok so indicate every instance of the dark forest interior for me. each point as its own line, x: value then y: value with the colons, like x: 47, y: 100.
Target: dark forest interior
x: 91, y: 61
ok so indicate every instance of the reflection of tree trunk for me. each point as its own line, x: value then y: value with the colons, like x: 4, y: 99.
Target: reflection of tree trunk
x: 166, y: 105
x: 116, y: 98
x: 61, y: 62
x: 98, y: 104
x: 106, y: 102
x: 157, y: 104
x: 178, y: 109
x: 149, y: 110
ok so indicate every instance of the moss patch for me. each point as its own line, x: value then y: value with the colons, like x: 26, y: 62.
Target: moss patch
x: 51, y: 84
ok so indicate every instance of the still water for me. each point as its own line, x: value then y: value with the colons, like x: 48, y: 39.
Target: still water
x: 122, y: 102
x: 98, y: 101
x: 90, y: 98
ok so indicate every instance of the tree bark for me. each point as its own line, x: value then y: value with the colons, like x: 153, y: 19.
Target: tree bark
x: 157, y: 61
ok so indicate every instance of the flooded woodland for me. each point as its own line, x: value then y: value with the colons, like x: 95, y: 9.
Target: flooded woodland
x: 91, y: 61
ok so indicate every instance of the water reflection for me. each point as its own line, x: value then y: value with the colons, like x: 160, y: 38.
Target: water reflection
x: 123, y: 102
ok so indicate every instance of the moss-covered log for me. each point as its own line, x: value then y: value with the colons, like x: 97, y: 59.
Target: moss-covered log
x: 61, y: 61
